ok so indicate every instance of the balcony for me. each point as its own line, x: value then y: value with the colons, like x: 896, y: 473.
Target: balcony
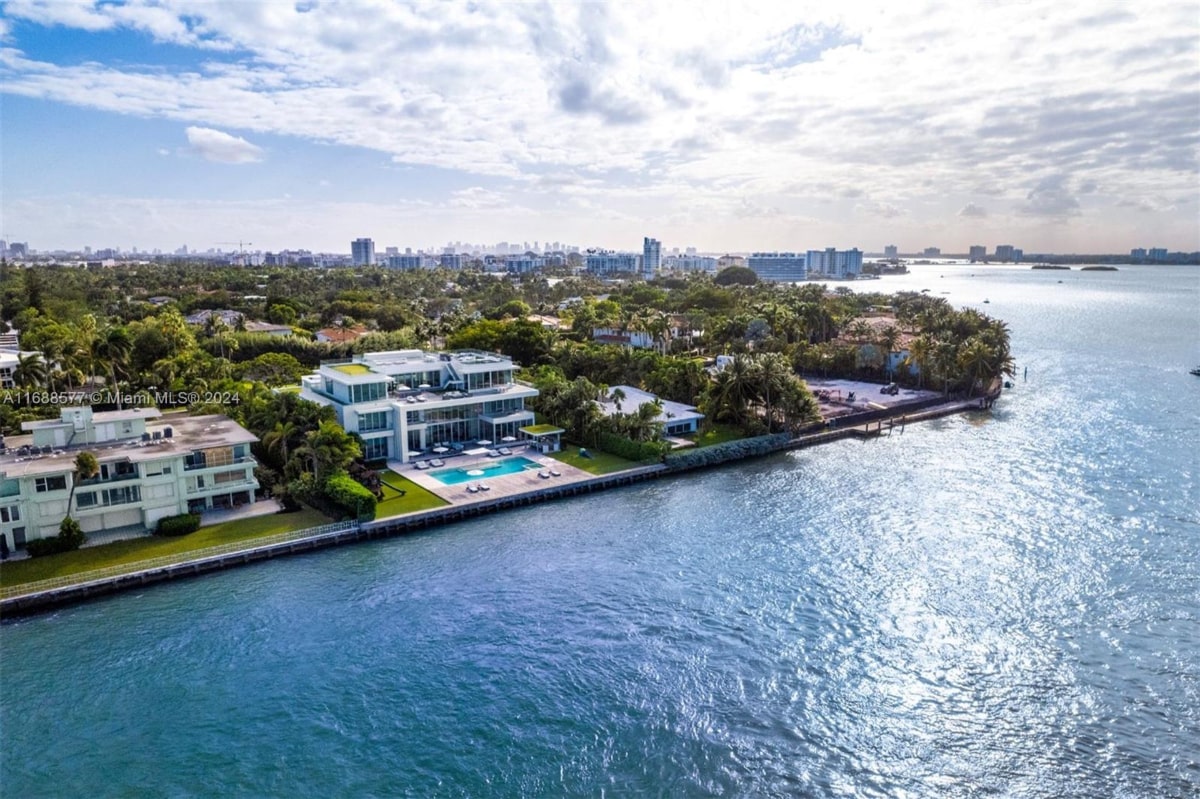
x: 191, y: 465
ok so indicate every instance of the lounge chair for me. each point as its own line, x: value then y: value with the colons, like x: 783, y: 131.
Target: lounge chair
x: 484, y: 487
x: 504, y: 451
x: 472, y: 488
x: 555, y: 473
x: 421, y: 466
x: 491, y: 453
x: 437, y: 462
x: 545, y: 475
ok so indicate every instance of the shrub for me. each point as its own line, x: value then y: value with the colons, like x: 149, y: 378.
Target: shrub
x: 632, y: 450
x: 70, y: 534
x: 353, y: 498
x: 182, y: 524
x: 48, y: 546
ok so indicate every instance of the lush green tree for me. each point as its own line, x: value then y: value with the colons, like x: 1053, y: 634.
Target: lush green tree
x: 736, y: 276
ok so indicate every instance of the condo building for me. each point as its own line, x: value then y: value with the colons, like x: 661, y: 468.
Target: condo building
x: 406, y: 401
x: 778, y: 267
x: 832, y: 262
x: 151, y: 467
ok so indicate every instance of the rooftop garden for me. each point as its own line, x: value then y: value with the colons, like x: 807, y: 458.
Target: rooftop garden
x: 353, y: 369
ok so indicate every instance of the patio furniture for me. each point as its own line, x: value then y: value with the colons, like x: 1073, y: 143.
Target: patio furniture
x: 491, y: 453
x: 484, y: 487
x: 437, y: 462
x: 555, y: 473
x: 421, y: 466
x: 504, y: 451
x: 472, y: 488
x: 545, y: 475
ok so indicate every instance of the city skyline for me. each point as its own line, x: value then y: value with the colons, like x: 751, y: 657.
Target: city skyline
x: 1059, y: 129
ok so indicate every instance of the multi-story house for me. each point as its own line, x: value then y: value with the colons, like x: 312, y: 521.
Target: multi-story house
x: 150, y: 467
x: 406, y: 401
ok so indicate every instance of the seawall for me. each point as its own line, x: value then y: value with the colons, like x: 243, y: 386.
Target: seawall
x: 861, y: 425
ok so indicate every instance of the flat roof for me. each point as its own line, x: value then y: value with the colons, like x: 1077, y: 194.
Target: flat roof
x: 188, y: 433
x: 128, y: 414
x: 635, y: 398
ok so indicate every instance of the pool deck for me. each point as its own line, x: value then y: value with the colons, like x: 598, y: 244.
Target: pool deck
x: 500, y: 486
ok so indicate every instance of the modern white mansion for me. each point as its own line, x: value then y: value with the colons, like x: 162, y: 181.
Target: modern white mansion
x: 407, y: 401
x: 150, y: 467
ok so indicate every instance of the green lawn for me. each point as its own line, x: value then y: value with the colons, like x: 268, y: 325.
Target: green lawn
x: 599, y: 463
x: 353, y: 368
x: 414, y: 498
x: 717, y: 434
x: 136, y: 549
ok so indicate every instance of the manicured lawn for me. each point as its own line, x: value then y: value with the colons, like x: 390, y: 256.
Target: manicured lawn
x: 352, y: 368
x: 123, y: 552
x: 599, y: 463
x: 414, y: 498
x: 718, y: 434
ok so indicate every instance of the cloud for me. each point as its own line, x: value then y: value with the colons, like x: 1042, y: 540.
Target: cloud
x: 214, y: 145
x: 971, y: 210
x: 1051, y: 198
x: 699, y: 101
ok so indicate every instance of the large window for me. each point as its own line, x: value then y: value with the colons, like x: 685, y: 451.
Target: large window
x: 10, y: 514
x: 376, y: 420
x: 58, y: 483
x: 375, y: 448
x: 368, y: 392
x: 121, y: 496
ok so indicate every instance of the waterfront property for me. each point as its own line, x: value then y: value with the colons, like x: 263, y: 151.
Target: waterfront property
x: 150, y: 467
x: 676, y: 418
x: 404, y: 402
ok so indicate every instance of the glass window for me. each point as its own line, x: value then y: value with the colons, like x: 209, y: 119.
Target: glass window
x: 50, y: 484
x: 85, y: 499
x: 375, y: 448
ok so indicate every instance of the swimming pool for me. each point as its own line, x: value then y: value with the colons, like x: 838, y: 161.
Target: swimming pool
x: 482, y: 471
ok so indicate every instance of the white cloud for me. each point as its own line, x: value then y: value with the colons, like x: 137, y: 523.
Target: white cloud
x: 916, y: 102
x: 215, y: 145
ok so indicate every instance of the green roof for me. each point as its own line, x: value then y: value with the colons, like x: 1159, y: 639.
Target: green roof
x: 542, y: 429
x: 353, y: 368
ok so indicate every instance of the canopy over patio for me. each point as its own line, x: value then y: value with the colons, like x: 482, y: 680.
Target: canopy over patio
x: 545, y: 437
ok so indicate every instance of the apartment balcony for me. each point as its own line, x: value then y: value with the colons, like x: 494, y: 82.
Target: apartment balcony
x: 207, y: 463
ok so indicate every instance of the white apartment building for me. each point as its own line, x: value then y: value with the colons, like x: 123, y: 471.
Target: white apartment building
x: 150, y: 467
x: 404, y: 402
x: 832, y: 262
x: 605, y: 262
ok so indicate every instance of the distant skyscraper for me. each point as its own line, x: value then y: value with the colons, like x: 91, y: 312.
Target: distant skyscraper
x: 651, y: 257
x: 978, y: 253
x: 362, y: 252
x: 1137, y: 252
x: 1004, y: 252
x: 832, y: 262
x: 1156, y: 253
x: 891, y: 251
x: 933, y: 252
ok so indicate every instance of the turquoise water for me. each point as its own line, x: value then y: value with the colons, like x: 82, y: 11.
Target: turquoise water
x: 985, y: 605
x: 482, y: 471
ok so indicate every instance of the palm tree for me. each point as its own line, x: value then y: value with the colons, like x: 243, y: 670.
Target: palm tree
x: 975, y: 358
x: 278, y: 439
x: 887, y: 340
x: 30, y: 371
x: 114, y: 348
x: 617, y: 396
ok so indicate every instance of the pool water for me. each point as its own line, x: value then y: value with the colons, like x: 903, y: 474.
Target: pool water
x: 479, y: 471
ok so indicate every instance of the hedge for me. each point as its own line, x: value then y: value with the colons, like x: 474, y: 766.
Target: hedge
x: 350, y: 496
x: 728, y: 451
x: 48, y: 546
x: 182, y: 524
x: 631, y: 450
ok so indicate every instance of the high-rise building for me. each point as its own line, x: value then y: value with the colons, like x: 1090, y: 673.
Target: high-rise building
x: 651, y: 257
x: 362, y: 252
x: 1137, y: 252
x: 933, y: 252
x: 832, y: 262
x: 891, y: 251
x: 778, y: 267
x: 606, y: 262
x: 978, y: 252
x: 1157, y: 253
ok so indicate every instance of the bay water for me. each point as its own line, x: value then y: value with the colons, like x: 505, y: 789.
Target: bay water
x: 994, y: 604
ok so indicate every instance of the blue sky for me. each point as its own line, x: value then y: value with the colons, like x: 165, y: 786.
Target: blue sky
x: 155, y: 123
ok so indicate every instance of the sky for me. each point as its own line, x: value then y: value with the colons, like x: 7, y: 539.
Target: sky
x: 1053, y: 126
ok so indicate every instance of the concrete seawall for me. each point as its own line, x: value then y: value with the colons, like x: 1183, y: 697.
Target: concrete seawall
x: 39, y: 601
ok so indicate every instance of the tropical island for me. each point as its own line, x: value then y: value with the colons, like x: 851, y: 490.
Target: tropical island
x: 615, y: 377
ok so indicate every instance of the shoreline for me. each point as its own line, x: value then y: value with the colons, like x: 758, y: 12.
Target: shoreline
x: 336, y: 534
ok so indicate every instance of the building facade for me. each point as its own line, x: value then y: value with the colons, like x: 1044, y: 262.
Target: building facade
x: 362, y: 252
x: 778, y: 267
x: 151, y: 467
x: 835, y: 263
x: 977, y: 253
x: 404, y: 402
x: 891, y: 251
x: 606, y: 262
x: 651, y: 257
